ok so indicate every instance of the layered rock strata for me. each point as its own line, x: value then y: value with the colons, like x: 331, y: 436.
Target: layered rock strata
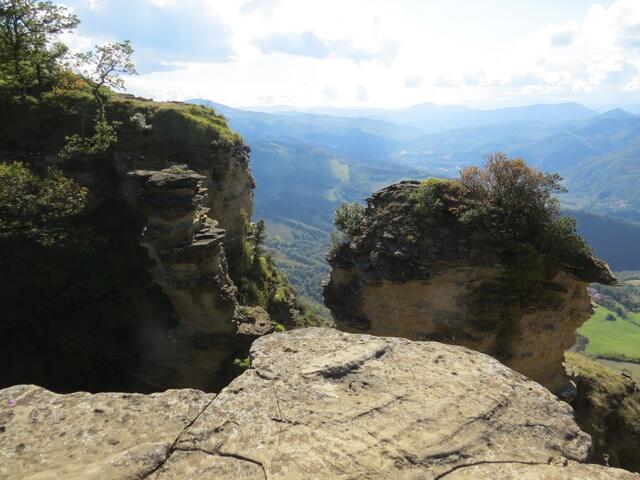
x: 430, y: 277
x: 316, y: 403
x: 187, y: 248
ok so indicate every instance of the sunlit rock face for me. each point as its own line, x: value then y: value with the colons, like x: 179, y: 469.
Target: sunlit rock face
x: 191, y: 267
x: 432, y: 278
x: 315, y: 403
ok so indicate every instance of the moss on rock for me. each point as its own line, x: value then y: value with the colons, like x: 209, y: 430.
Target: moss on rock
x: 607, y: 407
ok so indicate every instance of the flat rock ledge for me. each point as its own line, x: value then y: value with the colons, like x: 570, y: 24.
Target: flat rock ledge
x: 315, y: 404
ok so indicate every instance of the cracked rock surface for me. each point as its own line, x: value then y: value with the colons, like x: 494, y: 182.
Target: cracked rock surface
x: 316, y: 403
x: 107, y: 435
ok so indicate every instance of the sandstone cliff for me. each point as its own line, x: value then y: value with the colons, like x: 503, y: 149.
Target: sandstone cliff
x: 187, y: 248
x: 159, y: 291
x: 316, y: 403
x: 427, y: 276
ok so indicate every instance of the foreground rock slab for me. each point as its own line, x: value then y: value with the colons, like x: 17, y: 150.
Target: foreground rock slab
x: 108, y: 435
x: 316, y: 403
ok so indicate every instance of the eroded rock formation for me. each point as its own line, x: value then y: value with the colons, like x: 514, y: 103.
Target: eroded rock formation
x: 316, y: 403
x: 151, y: 299
x: 430, y: 277
x: 191, y: 267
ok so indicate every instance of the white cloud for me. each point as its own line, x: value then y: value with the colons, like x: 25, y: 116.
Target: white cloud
x: 565, y: 35
x: 163, y: 3
x: 309, y: 44
x: 362, y: 95
x: 330, y: 94
x: 258, y: 6
x: 444, y: 82
x: 525, y: 79
x: 412, y: 81
x: 96, y: 4
x: 389, y: 52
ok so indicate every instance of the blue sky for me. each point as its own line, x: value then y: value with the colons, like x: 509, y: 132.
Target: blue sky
x: 385, y: 53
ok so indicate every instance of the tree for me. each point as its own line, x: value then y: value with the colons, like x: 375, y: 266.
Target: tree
x: 348, y: 220
x: 29, y: 54
x: 101, y: 69
x: 104, y: 66
x: 37, y: 209
x: 516, y: 204
x: 259, y: 236
x: 510, y: 199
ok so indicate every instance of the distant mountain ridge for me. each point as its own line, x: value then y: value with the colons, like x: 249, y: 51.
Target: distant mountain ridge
x: 598, y: 154
x: 432, y: 118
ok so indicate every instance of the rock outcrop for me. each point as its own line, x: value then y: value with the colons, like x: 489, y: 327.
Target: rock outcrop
x: 199, y: 139
x: 161, y: 292
x: 316, y: 403
x: 191, y: 268
x: 431, y: 277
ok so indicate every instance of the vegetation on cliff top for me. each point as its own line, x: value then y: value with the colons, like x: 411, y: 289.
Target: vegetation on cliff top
x: 516, y: 205
x: 41, y: 210
x: 512, y: 202
x: 43, y: 126
x: 75, y: 102
x: 349, y: 220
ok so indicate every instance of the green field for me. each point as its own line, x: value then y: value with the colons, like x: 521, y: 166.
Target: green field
x: 615, y: 340
x: 631, y: 369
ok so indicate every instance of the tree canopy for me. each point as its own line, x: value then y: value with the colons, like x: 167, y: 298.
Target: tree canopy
x: 510, y: 198
x: 103, y: 66
x: 37, y: 209
x: 101, y: 69
x: 348, y: 220
x: 29, y: 50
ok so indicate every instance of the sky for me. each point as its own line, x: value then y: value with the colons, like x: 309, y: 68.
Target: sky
x: 374, y: 53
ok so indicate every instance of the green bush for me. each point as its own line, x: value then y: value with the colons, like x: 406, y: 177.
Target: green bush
x: 243, y: 363
x: 559, y: 240
x: 38, y: 209
x: 428, y: 197
x: 516, y: 205
x: 103, y: 138
x: 349, y: 221
x: 510, y: 199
